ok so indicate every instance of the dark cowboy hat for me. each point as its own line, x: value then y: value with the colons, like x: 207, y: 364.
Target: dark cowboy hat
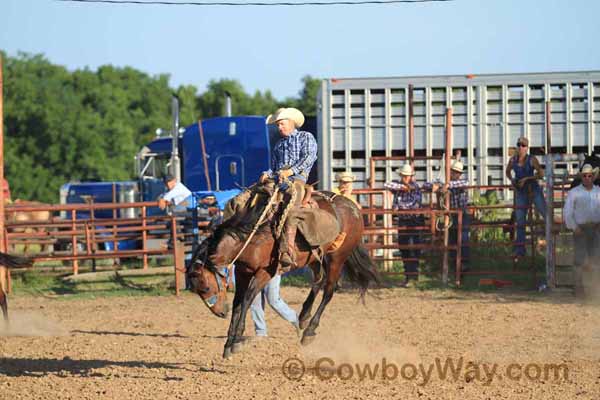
x: 168, y: 178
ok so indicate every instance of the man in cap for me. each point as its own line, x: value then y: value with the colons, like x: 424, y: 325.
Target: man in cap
x: 208, y: 210
x: 582, y: 215
x: 459, y: 199
x: 345, y: 181
x: 291, y: 161
x: 176, y: 194
x: 527, y: 170
x: 407, y: 196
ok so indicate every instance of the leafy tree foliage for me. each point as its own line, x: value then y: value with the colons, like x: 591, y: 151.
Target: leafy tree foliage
x: 62, y: 125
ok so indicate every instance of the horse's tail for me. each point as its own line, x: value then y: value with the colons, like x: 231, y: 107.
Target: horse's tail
x: 10, y: 261
x: 361, y: 270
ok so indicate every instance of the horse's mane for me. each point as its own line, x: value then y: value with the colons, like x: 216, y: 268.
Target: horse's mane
x: 242, y: 223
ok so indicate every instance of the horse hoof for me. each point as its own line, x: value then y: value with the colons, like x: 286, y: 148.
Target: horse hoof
x: 304, y: 323
x: 237, y: 347
x: 227, y: 353
x: 307, y: 339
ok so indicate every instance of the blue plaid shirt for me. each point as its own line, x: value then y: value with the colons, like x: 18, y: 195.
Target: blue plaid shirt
x: 297, y: 151
x: 405, y: 199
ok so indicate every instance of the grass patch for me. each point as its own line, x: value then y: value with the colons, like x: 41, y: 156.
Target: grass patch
x: 50, y: 284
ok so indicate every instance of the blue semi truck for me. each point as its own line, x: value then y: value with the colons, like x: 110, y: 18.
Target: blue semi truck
x: 217, y: 155
x: 214, y: 156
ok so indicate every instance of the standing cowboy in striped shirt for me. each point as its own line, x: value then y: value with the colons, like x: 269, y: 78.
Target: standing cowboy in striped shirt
x: 291, y: 161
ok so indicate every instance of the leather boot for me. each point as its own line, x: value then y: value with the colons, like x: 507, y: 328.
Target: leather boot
x: 287, y: 247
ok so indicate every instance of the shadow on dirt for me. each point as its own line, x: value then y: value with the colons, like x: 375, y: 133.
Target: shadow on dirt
x: 41, y: 367
x: 162, y: 335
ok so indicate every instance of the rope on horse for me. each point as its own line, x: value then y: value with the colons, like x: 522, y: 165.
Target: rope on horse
x: 258, y: 223
x: 286, y: 211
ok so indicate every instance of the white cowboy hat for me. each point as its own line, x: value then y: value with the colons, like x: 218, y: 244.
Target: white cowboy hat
x: 588, y: 169
x: 345, y: 177
x: 406, y: 170
x: 290, y: 113
x: 457, y: 166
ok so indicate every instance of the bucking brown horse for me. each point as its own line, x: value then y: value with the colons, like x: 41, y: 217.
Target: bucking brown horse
x: 257, y: 262
x: 7, y: 261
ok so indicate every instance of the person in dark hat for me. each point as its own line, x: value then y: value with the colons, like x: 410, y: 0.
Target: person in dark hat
x: 176, y: 194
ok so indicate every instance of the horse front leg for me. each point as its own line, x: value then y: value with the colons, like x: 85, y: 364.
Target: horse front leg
x: 257, y: 283
x: 247, y: 287
x: 235, y: 316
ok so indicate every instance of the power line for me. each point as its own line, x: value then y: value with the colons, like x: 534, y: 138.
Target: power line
x: 241, y: 4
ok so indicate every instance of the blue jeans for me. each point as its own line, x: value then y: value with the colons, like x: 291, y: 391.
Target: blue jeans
x: 271, y: 293
x: 410, y: 237
x: 522, y: 202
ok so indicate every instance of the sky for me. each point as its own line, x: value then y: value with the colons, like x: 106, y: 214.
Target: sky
x: 274, y: 47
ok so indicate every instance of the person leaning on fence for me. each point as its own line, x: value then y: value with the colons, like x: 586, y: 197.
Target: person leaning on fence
x: 176, y: 195
x: 527, y: 171
x: 345, y: 181
x: 459, y: 199
x: 407, y: 196
x: 582, y: 215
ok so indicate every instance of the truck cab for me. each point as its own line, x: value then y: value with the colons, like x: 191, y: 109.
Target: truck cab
x: 235, y: 151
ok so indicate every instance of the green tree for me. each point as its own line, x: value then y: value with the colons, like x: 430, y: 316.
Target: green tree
x: 307, y: 101
x: 84, y: 125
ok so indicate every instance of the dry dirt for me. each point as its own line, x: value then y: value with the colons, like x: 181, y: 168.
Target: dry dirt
x: 168, y: 347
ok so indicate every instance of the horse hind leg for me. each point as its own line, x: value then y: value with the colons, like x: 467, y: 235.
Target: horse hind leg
x: 4, y: 305
x: 304, y: 317
x: 333, y: 275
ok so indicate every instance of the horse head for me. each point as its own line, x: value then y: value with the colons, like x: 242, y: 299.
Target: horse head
x: 209, y: 267
x: 209, y: 281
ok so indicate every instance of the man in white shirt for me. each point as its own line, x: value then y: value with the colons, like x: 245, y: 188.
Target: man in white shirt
x: 582, y: 215
x: 177, y: 192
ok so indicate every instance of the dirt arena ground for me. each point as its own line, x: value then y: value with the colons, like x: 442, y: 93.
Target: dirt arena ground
x: 500, y: 346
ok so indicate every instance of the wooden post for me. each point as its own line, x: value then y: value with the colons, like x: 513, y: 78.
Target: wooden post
x: 447, y: 199
x: 411, y: 126
x: 3, y: 236
x: 459, y: 247
x: 144, y: 239
x: 204, y: 156
x: 178, y: 256
x: 2, y: 241
x: 549, y: 170
x: 74, y: 242
x: 114, y: 215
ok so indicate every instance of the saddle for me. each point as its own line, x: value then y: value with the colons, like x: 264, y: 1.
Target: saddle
x: 319, y: 227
